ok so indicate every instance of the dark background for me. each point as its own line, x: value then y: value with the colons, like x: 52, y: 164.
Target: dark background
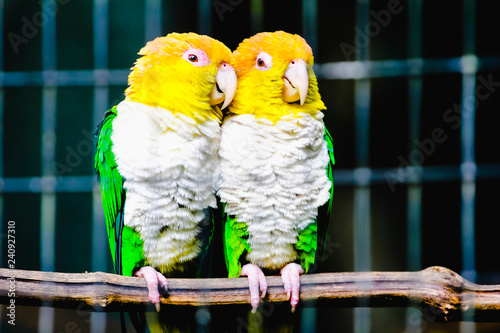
x: 444, y: 31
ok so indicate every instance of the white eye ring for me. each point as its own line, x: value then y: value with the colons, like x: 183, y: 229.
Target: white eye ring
x: 196, y: 57
x: 264, y: 61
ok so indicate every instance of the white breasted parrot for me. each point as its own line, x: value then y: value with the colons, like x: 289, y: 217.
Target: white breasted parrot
x: 276, y: 164
x: 157, y: 159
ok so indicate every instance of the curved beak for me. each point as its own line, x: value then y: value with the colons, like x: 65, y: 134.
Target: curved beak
x: 296, y: 82
x: 225, y: 86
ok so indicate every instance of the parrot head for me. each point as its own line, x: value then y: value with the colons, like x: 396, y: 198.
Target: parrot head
x: 184, y: 73
x: 275, y: 76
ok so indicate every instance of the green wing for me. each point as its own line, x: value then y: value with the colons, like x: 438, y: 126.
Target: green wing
x: 124, y: 242
x: 329, y: 168
x: 235, y: 237
x: 307, y: 244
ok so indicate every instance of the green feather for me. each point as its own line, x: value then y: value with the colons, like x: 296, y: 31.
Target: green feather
x: 235, y: 243
x: 132, y: 254
x: 307, y: 244
x: 124, y: 242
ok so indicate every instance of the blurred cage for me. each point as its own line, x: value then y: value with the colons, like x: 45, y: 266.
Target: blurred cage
x: 413, y: 107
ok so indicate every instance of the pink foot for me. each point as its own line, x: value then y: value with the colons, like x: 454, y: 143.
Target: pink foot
x: 256, y: 281
x: 153, y: 279
x: 290, y: 275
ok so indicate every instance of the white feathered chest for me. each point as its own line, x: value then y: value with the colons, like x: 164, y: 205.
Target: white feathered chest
x: 170, y: 165
x: 273, y: 178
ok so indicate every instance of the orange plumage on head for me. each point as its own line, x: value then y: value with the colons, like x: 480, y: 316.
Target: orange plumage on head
x: 260, y: 92
x: 161, y: 77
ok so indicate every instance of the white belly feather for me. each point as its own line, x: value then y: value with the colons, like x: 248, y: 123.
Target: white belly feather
x: 273, y: 178
x: 169, y: 164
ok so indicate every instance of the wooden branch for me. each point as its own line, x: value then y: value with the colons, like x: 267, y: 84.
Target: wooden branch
x: 440, y: 293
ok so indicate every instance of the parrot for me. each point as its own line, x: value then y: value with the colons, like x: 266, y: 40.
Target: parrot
x: 276, y: 165
x: 157, y: 158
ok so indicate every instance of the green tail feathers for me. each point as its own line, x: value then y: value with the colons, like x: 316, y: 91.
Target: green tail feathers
x: 235, y: 244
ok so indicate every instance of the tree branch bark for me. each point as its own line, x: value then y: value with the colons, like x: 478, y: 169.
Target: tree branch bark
x: 440, y: 293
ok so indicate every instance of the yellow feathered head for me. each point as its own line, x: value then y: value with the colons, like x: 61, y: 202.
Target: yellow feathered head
x: 184, y: 73
x: 275, y: 77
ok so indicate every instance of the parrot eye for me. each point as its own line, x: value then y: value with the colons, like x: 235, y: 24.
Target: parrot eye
x: 196, y: 57
x: 264, y: 61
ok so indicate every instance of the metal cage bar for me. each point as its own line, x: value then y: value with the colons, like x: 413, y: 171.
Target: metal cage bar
x: 205, y: 17
x: 468, y: 167
x: 2, y: 217
x: 101, y: 92
x: 361, y: 213
x: 1, y: 100
x: 414, y: 190
x: 256, y: 15
x: 310, y: 23
x: 345, y: 70
x: 343, y: 177
x: 153, y: 19
x: 48, y: 150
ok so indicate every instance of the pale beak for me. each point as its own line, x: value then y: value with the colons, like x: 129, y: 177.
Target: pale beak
x: 225, y: 86
x: 296, y: 82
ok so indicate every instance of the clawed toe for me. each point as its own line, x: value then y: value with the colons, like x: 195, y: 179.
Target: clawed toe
x: 290, y: 275
x: 256, y: 282
x: 154, y: 280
